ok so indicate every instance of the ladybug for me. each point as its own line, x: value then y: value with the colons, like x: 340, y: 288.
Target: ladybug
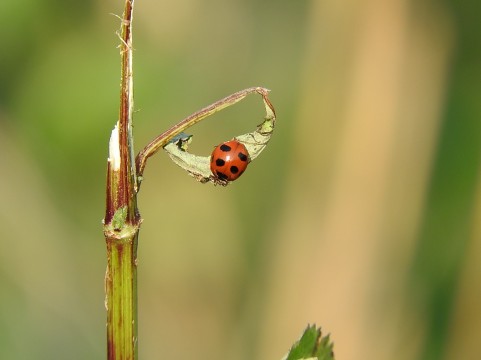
x: 229, y: 161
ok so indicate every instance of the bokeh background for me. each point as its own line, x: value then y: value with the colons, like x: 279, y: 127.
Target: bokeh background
x: 361, y: 216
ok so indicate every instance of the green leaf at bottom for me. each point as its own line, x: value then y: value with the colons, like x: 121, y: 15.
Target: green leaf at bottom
x: 311, y: 345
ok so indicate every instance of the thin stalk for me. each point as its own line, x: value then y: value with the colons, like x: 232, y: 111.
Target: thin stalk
x: 122, y: 220
x: 163, y: 139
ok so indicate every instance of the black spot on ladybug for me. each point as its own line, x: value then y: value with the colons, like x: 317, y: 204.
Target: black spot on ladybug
x: 242, y: 156
x: 234, y: 169
x: 220, y: 162
x: 225, y: 148
x: 221, y: 176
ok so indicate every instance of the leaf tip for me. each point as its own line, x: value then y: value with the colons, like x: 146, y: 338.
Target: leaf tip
x: 311, y: 345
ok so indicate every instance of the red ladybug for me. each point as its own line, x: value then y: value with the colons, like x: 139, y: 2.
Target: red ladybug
x: 229, y: 160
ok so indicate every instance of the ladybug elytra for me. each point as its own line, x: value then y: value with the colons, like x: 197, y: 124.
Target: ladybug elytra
x: 229, y: 160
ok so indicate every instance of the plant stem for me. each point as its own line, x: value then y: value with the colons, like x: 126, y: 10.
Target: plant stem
x: 122, y: 220
x: 121, y: 300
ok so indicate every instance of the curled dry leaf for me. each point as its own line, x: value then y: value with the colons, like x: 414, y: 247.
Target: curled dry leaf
x: 199, y: 166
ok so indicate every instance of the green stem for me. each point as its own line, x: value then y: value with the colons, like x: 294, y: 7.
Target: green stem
x: 122, y: 219
x: 121, y: 301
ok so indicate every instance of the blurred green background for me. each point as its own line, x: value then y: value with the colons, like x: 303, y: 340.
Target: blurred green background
x: 361, y: 215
